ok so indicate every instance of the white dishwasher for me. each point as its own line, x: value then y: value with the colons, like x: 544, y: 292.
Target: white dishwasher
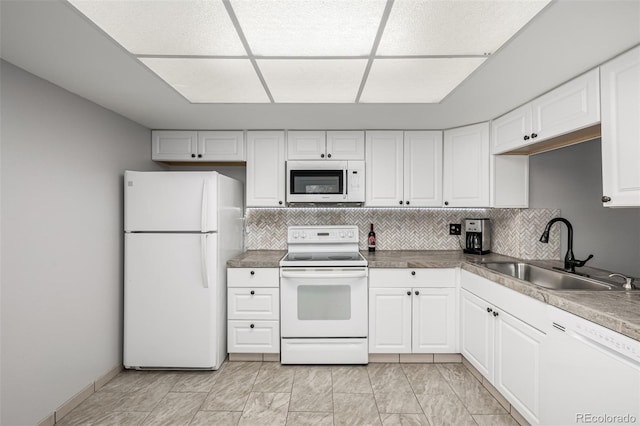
x: 590, y: 375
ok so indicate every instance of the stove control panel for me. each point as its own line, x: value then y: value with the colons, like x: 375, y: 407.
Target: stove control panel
x: 323, y: 234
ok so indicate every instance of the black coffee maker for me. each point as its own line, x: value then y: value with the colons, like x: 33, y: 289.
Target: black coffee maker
x: 477, y: 236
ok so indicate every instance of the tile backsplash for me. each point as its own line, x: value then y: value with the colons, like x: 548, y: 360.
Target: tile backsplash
x: 515, y: 231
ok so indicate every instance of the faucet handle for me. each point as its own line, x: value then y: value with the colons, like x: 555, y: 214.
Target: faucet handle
x: 580, y: 263
x: 628, y: 284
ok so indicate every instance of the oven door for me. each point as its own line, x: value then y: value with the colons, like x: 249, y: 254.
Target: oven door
x: 323, y: 302
x: 316, y: 181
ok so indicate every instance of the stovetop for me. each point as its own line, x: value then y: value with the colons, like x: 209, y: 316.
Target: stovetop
x: 323, y: 246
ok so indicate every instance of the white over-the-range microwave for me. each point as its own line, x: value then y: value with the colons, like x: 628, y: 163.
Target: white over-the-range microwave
x: 328, y: 181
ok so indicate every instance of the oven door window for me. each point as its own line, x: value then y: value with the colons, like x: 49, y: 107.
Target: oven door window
x: 324, y: 302
x: 316, y: 182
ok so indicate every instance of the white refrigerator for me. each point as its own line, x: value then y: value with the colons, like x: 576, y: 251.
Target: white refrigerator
x: 180, y: 230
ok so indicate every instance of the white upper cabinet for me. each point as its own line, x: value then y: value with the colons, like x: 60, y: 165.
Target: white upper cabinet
x: 265, y: 169
x: 221, y: 146
x: 423, y: 168
x: 572, y: 106
x: 180, y: 145
x: 466, y: 166
x: 384, y: 172
x: 404, y: 168
x: 306, y: 145
x: 168, y: 145
x: 621, y: 130
x: 321, y: 145
x: 345, y: 145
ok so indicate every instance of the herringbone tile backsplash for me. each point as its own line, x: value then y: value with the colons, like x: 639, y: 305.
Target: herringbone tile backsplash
x: 515, y: 231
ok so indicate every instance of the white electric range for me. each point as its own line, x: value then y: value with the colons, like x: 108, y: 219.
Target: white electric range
x: 323, y: 292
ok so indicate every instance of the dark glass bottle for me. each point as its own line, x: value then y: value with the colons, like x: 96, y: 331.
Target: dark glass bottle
x: 372, y: 239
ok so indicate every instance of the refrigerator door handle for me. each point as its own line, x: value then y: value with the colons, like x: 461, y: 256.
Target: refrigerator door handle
x: 203, y: 260
x: 203, y: 208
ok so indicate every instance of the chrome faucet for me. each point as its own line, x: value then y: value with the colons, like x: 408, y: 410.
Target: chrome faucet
x: 570, y: 262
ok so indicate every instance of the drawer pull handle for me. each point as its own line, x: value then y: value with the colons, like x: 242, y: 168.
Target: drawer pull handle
x: 413, y: 272
x: 252, y: 272
x: 253, y: 292
x: 252, y: 326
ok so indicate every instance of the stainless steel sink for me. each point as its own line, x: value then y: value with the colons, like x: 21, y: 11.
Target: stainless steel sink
x: 547, y: 278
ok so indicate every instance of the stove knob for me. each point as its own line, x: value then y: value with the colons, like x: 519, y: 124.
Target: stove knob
x: 341, y: 234
x: 303, y: 235
x: 295, y: 234
x: 350, y: 234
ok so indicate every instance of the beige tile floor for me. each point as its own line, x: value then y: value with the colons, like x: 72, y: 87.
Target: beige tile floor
x: 267, y: 393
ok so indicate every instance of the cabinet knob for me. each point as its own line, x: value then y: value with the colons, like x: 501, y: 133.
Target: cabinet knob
x: 495, y: 314
x: 400, y: 202
x: 252, y: 326
x: 280, y: 202
x: 252, y: 272
x: 417, y: 293
x: 252, y: 292
x: 406, y: 202
x: 329, y: 155
x: 605, y: 199
x: 193, y: 156
x: 408, y: 293
x: 446, y: 203
x: 534, y: 135
x: 489, y: 310
x: 321, y: 155
x: 199, y: 155
x: 526, y: 137
x: 413, y: 272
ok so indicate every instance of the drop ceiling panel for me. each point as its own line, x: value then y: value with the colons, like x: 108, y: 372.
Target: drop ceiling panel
x: 313, y: 80
x: 309, y: 27
x: 166, y: 27
x: 416, y: 80
x: 210, y: 80
x: 454, y: 27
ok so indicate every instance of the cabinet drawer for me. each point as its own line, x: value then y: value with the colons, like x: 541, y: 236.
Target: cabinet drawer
x: 248, y: 303
x: 405, y: 277
x: 253, y: 277
x: 253, y: 337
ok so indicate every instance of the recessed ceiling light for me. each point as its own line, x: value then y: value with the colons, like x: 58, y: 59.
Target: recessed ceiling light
x: 454, y: 27
x: 313, y: 80
x: 309, y: 27
x: 416, y: 80
x: 210, y: 80
x: 166, y: 27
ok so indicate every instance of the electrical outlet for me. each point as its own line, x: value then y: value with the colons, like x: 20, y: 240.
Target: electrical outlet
x: 455, y: 229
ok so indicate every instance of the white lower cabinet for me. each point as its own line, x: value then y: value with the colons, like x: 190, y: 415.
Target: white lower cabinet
x: 253, y: 310
x: 412, y: 311
x: 500, y: 336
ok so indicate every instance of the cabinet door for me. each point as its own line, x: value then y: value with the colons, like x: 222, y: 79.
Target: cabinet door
x: 345, y: 145
x: 265, y: 169
x: 390, y: 320
x: 466, y: 166
x: 306, y: 145
x: 423, y: 169
x: 476, y: 332
x: 169, y: 145
x: 221, y: 146
x: 512, y: 130
x: 517, y: 364
x: 621, y: 130
x: 384, y: 174
x: 572, y: 106
x: 434, y: 320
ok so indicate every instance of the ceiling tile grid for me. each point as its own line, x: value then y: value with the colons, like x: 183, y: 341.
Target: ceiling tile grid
x: 311, y: 51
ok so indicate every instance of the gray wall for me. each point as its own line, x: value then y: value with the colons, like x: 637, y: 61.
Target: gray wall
x: 63, y: 159
x: 571, y: 179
